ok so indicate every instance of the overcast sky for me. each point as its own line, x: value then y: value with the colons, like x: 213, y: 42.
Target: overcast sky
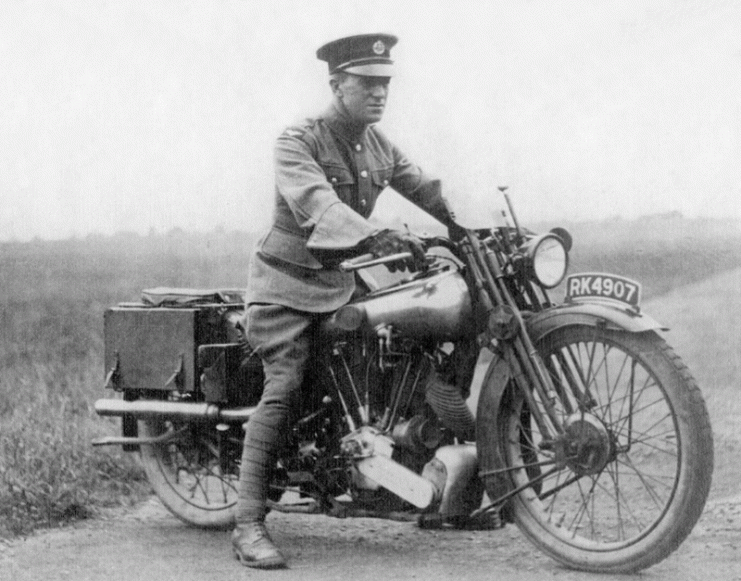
x: 139, y: 114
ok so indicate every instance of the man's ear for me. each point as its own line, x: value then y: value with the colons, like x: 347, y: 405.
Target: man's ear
x: 335, y: 86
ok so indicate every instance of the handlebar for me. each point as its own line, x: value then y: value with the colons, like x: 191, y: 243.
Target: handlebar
x: 368, y: 260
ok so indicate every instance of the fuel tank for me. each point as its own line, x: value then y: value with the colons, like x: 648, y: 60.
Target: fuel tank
x: 435, y: 305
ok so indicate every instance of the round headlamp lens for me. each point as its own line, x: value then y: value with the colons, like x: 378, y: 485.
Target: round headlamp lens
x: 550, y: 261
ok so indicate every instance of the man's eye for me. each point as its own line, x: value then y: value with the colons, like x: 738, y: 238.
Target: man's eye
x: 370, y: 82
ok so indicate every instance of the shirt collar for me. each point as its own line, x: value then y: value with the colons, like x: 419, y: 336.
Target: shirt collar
x: 339, y: 122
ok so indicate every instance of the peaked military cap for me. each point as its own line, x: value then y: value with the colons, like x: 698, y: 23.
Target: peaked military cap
x: 364, y: 54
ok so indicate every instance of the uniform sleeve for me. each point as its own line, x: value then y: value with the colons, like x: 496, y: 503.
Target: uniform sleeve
x: 424, y: 192
x: 312, y: 200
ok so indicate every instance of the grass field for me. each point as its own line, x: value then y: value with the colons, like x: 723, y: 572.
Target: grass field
x: 52, y: 299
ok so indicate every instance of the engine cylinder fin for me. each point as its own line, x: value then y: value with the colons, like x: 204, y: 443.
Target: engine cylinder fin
x: 448, y: 404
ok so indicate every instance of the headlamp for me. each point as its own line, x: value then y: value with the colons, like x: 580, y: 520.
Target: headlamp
x: 547, y: 258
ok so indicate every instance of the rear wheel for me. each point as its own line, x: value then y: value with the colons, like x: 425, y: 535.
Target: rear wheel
x: 194, y: 472
x: 628, y: 480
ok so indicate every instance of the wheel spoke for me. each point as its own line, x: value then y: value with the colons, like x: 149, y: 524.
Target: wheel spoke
x: 613, y: 398
x: 621, y: 502
x: 583, y: 510
x: 614, y: 475
x: 621, y: 425
x: 664, y: 480
x: 644, y: 479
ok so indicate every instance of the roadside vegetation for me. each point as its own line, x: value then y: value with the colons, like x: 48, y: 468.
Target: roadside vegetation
x: 661, y: 252
x: 52, y: 299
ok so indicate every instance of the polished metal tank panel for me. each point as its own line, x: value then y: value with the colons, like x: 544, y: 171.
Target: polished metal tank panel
x: 436, y: 306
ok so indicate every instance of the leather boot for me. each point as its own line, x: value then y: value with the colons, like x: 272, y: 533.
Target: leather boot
x: 254, y: 548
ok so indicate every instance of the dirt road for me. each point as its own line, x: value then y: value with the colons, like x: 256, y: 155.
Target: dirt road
x: 149, y: 544
x: 146, y: 543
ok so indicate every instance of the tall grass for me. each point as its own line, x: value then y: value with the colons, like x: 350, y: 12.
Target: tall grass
x: 48, y: 473
x: 52, y: 299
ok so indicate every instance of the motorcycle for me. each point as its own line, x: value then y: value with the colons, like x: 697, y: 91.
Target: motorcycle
x: 590, y: 433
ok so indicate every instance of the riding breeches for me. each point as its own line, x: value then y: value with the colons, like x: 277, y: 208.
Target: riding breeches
x: 283, y: 338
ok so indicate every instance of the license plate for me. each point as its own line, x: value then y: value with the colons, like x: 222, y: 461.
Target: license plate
x: 597, y: 285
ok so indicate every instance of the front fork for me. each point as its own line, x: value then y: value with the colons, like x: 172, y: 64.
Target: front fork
x: 516, y: 347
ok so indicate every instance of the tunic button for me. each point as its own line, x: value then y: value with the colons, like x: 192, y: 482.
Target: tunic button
x: 385, y: 182
x: 358, y: 147
x: 334, y: 180
x: 363, y: 203
x: 364, y: 173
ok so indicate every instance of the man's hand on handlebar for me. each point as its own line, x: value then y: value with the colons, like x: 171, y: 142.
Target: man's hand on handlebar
x: 388, y: 242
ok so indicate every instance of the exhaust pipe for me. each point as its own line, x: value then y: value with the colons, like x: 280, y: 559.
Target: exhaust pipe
x: 373, y: 452
x: 415, y: 489
x: 142, y: 409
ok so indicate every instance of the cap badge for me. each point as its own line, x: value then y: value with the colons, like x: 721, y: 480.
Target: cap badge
x: 378, y: 47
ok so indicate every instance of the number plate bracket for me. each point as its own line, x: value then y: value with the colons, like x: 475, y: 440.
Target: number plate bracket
x: 600, y: 286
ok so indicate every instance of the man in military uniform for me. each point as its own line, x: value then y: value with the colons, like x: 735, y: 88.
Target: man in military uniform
x: 329, y: 171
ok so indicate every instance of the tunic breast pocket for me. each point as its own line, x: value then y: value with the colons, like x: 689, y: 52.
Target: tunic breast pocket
x: 342, y: 181
x: 382, y: 177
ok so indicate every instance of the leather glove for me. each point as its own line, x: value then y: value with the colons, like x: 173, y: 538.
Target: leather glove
x: 388, y: 242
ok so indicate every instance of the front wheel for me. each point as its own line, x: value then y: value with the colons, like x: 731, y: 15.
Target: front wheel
x: 626, y: 482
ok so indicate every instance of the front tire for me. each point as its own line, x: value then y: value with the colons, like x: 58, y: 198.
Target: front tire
x: 628, y: 481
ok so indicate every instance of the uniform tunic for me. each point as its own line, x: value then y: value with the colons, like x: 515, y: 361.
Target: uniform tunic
x: 328, y: 175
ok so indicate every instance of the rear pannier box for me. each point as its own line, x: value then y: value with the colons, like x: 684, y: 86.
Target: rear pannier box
x: 175, y: 340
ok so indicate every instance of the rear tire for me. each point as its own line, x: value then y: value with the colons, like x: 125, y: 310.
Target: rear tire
x: 193, y: 474
x: 628, y: 483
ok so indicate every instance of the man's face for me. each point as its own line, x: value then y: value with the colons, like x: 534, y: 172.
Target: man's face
x: 364, y: 98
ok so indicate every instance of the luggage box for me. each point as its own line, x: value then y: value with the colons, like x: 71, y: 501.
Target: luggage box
x: 154, y: 344
x: 156, y: 348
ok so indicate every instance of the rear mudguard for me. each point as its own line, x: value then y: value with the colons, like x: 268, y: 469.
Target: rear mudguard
x: 494, y: 391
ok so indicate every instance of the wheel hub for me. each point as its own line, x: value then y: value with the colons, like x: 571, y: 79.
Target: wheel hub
x: 586, y: 446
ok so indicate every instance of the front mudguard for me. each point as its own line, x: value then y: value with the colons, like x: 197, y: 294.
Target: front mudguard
x: 495, y: 397
x: 591, y: 314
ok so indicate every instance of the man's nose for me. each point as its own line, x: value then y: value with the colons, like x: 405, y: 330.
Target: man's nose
x: 379, y: 90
